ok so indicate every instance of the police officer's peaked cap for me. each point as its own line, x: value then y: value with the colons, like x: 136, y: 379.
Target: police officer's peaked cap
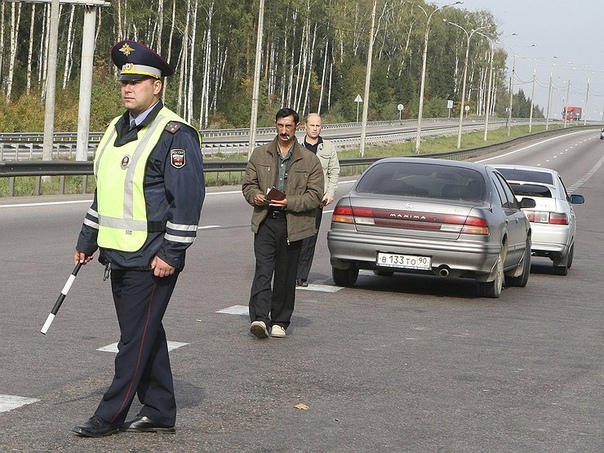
x: 137, y: 62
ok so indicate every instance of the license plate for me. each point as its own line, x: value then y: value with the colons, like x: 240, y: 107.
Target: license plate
x: 404, y: 261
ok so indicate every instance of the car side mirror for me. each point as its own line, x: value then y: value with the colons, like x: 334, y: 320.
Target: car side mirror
x: 576, y: 199
x: 527, y: 203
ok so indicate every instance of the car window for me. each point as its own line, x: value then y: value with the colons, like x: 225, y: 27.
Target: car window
x: 516, y: 174
x: 506, y: 195
x: 423, y: 180
x: 531, y: 190
x: 565, y: 194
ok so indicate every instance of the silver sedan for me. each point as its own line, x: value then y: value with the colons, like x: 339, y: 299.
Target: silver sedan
x: 432, y: 216
x: 553, y: 219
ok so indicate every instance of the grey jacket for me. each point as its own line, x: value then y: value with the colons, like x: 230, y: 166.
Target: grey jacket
x: 304, y: 188
x: 328, y: 155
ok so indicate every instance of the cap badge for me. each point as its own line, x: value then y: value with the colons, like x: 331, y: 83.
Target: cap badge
x: 126, y: 49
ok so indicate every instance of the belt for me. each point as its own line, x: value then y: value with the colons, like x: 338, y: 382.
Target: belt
x: 276, y: 214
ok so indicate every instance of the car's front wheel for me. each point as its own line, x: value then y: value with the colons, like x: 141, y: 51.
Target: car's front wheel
x: 345, y: 277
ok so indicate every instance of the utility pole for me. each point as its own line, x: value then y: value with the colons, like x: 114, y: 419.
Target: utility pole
x: 51, y: 82
x: 367, y: 82
x: 256, y: 89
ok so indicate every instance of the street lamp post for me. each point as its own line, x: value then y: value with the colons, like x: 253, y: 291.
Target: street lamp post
x: 532, y: 97
x: 420, y: 110
x: 512, y: 75
x: 490, y: 83
x: 566, y: 100
x: 469, y: 35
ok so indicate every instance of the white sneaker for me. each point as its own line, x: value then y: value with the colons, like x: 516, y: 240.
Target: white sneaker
x: 277, y: 331
x: 259, y: 329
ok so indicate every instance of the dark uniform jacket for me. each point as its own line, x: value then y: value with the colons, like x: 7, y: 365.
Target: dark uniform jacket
x: 304, y: 187
x: 174, y: 194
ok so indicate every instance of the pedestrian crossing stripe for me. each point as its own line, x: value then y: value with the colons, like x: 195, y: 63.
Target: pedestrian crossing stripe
x: 10, y: 402
x: 113, y: 347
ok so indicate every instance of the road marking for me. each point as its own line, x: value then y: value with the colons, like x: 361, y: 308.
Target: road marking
x: 320, y: 288
x: 113, y: 347
x: 235, y: 310
x: 10, y: 402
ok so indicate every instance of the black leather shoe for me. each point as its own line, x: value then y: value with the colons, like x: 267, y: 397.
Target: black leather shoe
x: 95, y: 427
x: 143, y: 424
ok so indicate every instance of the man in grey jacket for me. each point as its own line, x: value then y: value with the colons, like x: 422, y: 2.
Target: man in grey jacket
x: 328, y: 155
x: 280, y: 223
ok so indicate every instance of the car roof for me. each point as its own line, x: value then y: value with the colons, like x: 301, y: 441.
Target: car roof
x: 433, y: 161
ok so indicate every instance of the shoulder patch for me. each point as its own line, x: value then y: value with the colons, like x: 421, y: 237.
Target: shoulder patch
x: 172, y: 127
x: 177, y: 158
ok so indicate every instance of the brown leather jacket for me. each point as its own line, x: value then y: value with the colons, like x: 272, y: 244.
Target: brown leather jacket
x: 305, y: 186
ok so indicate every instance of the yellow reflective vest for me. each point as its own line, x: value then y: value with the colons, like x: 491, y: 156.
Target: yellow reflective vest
x: 120, y: 176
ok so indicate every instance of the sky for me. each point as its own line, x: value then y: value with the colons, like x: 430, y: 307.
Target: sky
x: 561, y: 38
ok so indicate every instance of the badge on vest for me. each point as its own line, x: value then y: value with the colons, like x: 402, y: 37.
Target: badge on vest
x: 125, y: 162
x: 177, y: 158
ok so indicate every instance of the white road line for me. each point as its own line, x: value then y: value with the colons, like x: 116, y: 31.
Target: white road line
x: 113, y: 347
x: 235, y: 310
x: 320, y: 288
x: 10, y: 402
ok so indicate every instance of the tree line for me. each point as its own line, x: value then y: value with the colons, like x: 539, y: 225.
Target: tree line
x: 314, y: 59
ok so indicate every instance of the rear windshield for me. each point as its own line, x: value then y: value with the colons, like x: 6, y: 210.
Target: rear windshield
x: 423, y: 180
x: 531, y: 190
x: 515, y: 174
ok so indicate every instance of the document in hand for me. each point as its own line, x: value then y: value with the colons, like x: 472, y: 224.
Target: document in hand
x: 275, y: 194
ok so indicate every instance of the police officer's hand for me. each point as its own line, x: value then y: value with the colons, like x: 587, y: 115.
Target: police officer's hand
x: 81, y: 257
x: 161, y: 268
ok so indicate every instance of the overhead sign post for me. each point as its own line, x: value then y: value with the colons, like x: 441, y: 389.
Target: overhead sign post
x: 358, y: 100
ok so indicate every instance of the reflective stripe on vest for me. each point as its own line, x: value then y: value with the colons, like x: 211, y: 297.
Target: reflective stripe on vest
x: 120, y: 176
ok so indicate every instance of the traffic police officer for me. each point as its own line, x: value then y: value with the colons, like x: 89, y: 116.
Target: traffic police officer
x: 145, y: 213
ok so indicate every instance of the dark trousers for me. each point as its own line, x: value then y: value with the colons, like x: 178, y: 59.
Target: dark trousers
x: 142, y: 364
x: 276, y: 262
x: 307, y: 253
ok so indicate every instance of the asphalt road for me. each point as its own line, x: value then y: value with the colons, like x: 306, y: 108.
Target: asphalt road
x: 395, y: 364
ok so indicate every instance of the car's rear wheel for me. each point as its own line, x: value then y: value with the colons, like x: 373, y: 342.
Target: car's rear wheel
x: 345, y: 277
x: 493, y: 288
x: 561, y: 267
x: 522, y: 279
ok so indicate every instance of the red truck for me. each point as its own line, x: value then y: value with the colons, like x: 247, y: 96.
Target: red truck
x: 571, y: 113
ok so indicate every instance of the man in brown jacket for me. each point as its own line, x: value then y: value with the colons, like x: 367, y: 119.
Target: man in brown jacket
x: 279, y: 225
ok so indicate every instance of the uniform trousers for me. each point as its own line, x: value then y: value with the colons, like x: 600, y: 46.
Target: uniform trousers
x: 307, y: 253
x: 142, y: 364
x: 276, y: 262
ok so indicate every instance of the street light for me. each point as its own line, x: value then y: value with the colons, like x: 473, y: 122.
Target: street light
x: 469, y: 35
x: 512, y: 76
x: 490, y: 83
x: 420, y: 111
x: 549, y: 95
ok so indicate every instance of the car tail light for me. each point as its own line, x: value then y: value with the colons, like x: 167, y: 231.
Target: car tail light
x: 553, y: 218
x: 411, y: 220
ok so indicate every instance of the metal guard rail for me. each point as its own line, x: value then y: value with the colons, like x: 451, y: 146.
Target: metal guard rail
x: 12, y: 169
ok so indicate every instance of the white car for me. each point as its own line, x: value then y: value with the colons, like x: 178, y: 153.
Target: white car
x: 553, y: 219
